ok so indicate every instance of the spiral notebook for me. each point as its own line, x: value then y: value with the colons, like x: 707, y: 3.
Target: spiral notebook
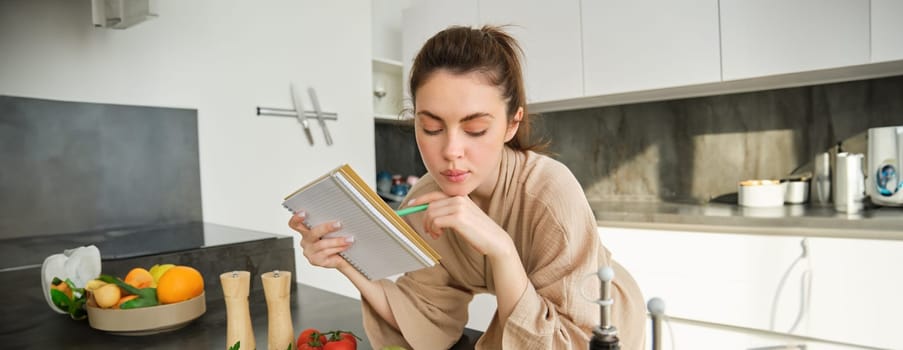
x: 384, y: 244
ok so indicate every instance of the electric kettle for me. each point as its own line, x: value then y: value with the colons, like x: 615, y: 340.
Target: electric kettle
x: 885, y: 160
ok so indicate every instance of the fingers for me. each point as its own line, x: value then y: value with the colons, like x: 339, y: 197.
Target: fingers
x: 443, y: 214
x: 427, y: 198
x: 441, y: 205
x: 320, y: 251
x: 298, y: 222
x: 323, y: 252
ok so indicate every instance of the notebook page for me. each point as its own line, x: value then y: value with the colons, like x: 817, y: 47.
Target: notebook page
x: 374, y: 251
x: 391, y: 228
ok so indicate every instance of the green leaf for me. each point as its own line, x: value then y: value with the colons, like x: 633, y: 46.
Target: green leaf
x: 237, y: 346
x: 146, y: 296
x: 60, y: 299
x: 77, y: 311
x: 125, y: 286
x: 143, y: 300
x: 75, y: 305
x: 71, y: 284
x: 76, y: 291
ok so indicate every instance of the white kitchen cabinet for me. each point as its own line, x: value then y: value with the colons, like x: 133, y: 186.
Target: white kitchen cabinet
x: 734, y: 279
x: 768, y: 37
x: 386, y: 58
x: 387, y: 89
x: 632, y: 52
x: 632, y: 46
x: 549, y: 34
x: 887, y: 30
x: 424, y: 19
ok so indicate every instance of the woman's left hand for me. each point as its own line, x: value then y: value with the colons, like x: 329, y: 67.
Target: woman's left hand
x: 467, y: 219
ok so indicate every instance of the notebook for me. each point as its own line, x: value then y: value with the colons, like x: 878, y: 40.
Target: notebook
x: 384, y: 244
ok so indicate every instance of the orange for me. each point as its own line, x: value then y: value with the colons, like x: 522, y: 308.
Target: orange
x: 123, y: 300
x: 63, y: 287
x: 179, y: 283
x: 139, y: 278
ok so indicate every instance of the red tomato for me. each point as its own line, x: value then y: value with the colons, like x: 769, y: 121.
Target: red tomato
x: 310, y: 338
x: 343, y: 344
x: 341, y: 340
x: 349, y: 337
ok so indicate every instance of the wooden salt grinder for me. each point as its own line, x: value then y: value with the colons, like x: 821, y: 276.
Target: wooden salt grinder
x: 236, y: 286
x: 277, y: 289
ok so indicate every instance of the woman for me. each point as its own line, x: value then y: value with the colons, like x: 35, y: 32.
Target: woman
x: 505, y: 219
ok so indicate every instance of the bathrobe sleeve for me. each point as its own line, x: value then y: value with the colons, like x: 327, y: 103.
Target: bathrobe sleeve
x: 428, y: 306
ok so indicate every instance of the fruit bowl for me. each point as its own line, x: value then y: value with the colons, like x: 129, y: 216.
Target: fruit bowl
x: 147, y: 320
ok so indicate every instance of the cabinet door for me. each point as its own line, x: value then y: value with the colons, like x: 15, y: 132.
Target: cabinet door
x: 737, y: 280
x: 642, y: 45
x: 424, y: 19
x: 549, y: 34
x: 887, y: 30
x: 768, y: 37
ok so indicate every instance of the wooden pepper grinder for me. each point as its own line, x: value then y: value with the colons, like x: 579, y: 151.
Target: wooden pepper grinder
x: 277, y: 289
x: 236, y: 286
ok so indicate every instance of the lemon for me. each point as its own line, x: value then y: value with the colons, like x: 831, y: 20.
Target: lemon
x: 158, y: 270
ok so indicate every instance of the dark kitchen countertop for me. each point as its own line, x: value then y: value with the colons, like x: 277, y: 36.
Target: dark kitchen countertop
x: 27, y: 322
x: 123, y: 243
x: 30, y: 324
x: 788, y: 220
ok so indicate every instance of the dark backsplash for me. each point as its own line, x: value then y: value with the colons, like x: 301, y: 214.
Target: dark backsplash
x: 696, y: 149
x: 73, y: 167
x: 396, y: 150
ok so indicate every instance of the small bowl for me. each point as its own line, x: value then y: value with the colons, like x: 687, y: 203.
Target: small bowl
x: 796, y: 191
x: 760, y: 193
x: 147, y: 320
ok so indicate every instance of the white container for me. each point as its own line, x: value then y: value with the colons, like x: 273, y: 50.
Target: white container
x: 884, y: 171
x: 849, y: 183
x: 796, y: 191
x: 760, y: 193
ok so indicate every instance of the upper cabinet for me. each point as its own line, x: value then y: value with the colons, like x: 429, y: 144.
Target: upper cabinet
x: 427, y: 17
x: 387, y: 89
x: 630, y: 46
x: 887, y: 30
x: 591, y: 53
x: 386, y: 59
x: 768, y: 37
x: 549, y: 34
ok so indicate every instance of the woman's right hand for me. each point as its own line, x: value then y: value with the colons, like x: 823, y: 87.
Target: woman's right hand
x: 321, y: 251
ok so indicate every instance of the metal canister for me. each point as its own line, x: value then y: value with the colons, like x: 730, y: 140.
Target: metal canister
x: 850, y: 183
x: 820, y: 187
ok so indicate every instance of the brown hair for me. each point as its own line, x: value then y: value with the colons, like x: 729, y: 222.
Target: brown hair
x: 488, y: 50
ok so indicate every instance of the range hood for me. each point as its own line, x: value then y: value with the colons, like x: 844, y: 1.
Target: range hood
x: 120, y: 14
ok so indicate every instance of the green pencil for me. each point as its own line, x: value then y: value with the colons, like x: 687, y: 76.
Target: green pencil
x: 411, y: 210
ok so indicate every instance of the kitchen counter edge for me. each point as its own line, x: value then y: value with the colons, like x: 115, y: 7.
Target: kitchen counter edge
x: 882, y: 223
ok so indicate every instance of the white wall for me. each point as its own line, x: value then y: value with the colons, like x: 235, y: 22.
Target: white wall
x: 223, y: 58
x: 387, y: 28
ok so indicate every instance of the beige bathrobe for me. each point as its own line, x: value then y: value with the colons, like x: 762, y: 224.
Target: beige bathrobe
x: 542, y: 206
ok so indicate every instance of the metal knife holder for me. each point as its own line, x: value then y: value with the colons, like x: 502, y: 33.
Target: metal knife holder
x: 302, y: 115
